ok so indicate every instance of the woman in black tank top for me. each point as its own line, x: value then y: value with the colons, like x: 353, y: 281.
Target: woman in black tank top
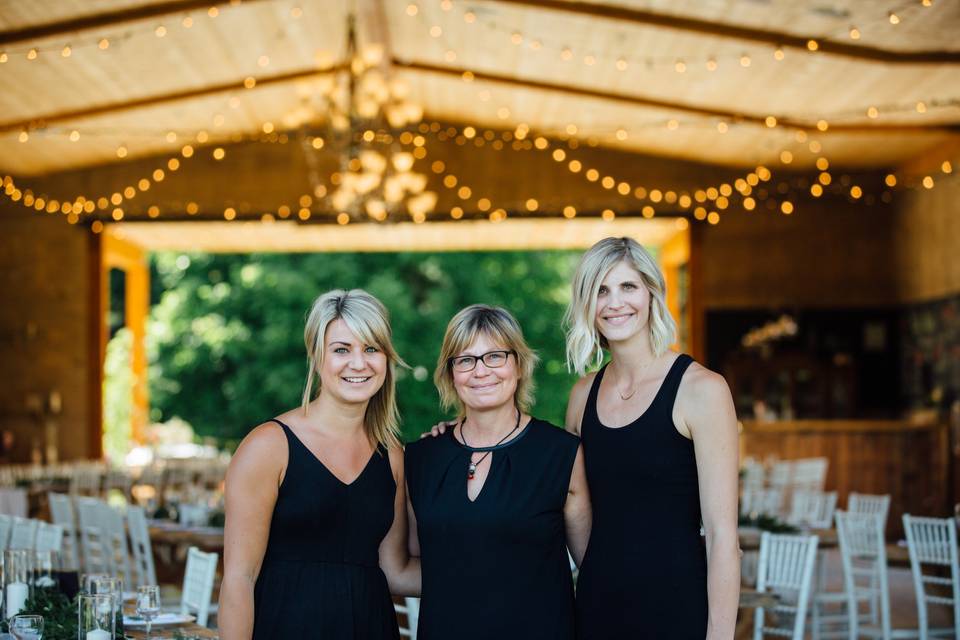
x: 660, y: 449
x: 315, y: 535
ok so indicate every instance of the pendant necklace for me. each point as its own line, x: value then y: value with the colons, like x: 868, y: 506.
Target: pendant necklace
x: 616, y: 383
x: 472, y: 466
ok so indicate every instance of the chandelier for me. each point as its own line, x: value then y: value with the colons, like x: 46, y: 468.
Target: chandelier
x: 363, y: 109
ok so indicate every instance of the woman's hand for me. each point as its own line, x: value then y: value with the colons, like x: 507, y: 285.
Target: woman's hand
x: 438, y: 429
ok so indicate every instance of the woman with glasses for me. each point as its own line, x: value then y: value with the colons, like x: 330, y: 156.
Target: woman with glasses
x: 496, y: 501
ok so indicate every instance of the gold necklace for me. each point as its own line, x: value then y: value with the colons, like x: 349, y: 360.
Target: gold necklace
x: 616, y: 382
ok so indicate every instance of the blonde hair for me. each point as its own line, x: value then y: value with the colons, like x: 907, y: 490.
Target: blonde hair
x: 498, y: 325
x: 369, y: 321
x: 584, y: 343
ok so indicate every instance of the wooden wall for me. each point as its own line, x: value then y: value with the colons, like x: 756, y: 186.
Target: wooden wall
x: 908, y: 461
x: 49, y: 348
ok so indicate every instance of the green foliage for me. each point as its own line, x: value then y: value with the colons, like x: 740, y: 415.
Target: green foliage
x: 117, y: 396
x: 227, y: 333
x: 59, y: 613
x: 767, y: 523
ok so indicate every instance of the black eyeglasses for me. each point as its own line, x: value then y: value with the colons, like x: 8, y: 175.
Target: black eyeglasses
x: 490, y: 359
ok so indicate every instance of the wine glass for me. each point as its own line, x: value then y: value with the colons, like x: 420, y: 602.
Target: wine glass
x: 27, y: 627
x: 148, y: 604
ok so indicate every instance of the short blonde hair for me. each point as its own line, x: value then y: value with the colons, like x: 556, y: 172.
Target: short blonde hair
x: 498, y: 325
x: 369, y: 321
x: 585, y: 344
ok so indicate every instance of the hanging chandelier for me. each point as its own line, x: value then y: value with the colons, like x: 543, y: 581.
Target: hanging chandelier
x: 364, y: 110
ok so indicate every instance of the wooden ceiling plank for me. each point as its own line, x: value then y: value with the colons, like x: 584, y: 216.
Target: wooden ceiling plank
x: 176, y: 96
x: 109, y: 19
x: 641, y: 101
x: 706, y: 27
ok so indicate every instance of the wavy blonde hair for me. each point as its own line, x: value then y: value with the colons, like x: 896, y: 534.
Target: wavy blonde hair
x: 369, y: 321
x: 585, y: 344
x: 498, y: 325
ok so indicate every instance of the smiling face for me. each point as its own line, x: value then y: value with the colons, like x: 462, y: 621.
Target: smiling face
x: 352, y: 371
x: 623, y: 304
x: 486, y: 388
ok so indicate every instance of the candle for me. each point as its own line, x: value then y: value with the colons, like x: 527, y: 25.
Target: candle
x: 16, y: 598
x: 97, y: 634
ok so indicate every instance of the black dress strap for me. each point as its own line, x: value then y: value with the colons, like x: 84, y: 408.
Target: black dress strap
x: 590, y: 408
x: 667, y: 396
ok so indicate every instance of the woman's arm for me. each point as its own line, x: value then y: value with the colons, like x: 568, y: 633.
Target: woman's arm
x: 577, y: 515
x: 578, y: 400
x: 252, y: 483
x: 402, y: 570
x: 708, y: 413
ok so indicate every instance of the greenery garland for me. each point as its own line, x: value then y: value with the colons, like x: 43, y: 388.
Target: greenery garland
x: 59, y: 614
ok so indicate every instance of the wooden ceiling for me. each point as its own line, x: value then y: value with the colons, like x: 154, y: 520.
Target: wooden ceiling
x: 691, y: 79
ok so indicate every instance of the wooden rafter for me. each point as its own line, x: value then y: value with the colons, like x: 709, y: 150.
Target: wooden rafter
x: 149, y: 101
x: 109, y: 19
x: 706, y: 27
x: 640, y: 101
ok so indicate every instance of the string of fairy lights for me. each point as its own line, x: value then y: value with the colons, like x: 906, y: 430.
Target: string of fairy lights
x: 706, y: 203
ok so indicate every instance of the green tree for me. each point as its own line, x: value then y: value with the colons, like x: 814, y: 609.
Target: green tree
x: 227, y: 332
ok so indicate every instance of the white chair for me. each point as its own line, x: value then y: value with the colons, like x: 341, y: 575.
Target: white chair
x: 765, y: 502
x: 62, y: 515
x: 198, y: 584
x: 85, y: 481
x: 144, y: 569
x: 781, y: 473
x: 49, y: 537
x: 24, y: 534
x: 867, y: 503
x: 754, y: 475
x: 864, y: 556
x: 96, y: 555
x: 785, y: 568
x: 813, y: 509
x: 933, y: 541
x: 6, y: 526
x: 115, y: 542
x: 411, y: 609
x: 809, y: 474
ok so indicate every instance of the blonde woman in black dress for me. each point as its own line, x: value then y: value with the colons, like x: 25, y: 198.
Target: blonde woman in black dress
x: 659, y: 438
x: 316, y: 527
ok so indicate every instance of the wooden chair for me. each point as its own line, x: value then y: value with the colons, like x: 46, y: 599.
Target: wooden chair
x: 813, y: 509
x: 933, y: 541
x: 411, y: 609
x: 868, y: 503
x: 62, y: 515
x: 198, y: 584
x: 144, y: 569
x: 785, y: 567
x: 95, y: 549
x: 23, y: 535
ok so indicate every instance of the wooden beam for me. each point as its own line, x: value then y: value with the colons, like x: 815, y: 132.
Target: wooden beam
x: 148, y: 101
x: 109, y: 19
x: 641, y: 101
x: 737, y: 32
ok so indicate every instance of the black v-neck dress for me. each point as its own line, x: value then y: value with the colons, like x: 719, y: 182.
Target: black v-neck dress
x: 495, y: 568
x: 644, y: 575
x: 321, y: 574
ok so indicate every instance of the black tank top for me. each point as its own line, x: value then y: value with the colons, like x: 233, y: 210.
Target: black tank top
x: 321, y: 575
x: 644, y: 574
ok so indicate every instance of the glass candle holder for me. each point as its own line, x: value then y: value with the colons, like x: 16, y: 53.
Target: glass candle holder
x: 17, y: 567
x: 95, y: 616
x: 114, y: 587
x: 46, y: 567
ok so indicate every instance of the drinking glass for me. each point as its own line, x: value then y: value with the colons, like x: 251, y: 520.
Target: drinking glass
x: 148, y: 604
x: 108, y: 585
x: 95, y: 616
x: 27, y: 627
x: 17, y: 567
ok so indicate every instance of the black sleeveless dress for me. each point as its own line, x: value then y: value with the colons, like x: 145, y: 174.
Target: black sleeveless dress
x: 644, y: 575
x: 321, y: 576
x: 496, y: 568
